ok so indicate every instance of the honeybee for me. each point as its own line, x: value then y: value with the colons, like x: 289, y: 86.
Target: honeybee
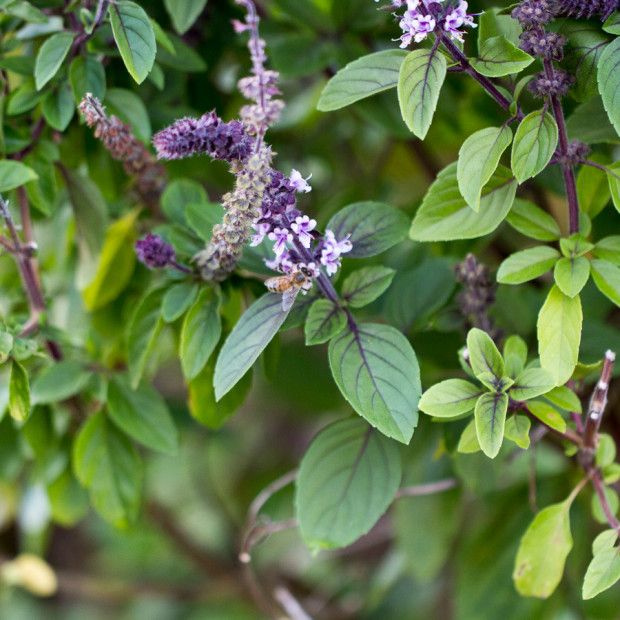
x: 289, y: 285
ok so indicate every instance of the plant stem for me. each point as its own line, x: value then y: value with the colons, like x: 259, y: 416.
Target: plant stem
x: 599, y: 488
x: 484, y: 81
x: 430, y: 488
x: 597, y: 405
x: 567, y: 167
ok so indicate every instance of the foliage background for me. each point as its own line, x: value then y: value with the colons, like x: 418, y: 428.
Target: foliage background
x: 444, y: 556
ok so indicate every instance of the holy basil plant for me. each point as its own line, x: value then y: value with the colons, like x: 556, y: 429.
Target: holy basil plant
x: 244, y: 245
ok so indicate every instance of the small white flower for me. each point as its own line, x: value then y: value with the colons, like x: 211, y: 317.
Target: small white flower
x: 299, y: 183
x: 302, y: 227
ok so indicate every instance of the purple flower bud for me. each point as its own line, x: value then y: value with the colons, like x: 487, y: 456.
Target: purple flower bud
x: 154, y: 252
x: 533, y: 13
x: 586, y: 8
x: 207, y: 135
x: 547, y: 45
x: 555, y: 86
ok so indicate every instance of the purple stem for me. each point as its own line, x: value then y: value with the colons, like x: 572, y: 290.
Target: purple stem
x: 567, y: 168
x: 484, y: 81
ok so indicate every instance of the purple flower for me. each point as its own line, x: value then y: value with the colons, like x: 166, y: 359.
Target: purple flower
x: 279, y: 196
x: 332, y: 250
x: 302, y: 227
x: 154, y: 252
x: 280, y: 237
x: 457, y: 19
x: 415, y: 26
x: 207, y: 135
x: 283, y: 262
x: 300, y: 184
x: 261, y: 228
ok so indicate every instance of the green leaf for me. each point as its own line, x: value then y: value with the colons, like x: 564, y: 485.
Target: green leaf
x: 613, y: 178
x: 564, y: 398
x: 184, y: 58
x: 483, y: 354
x: 604, y: 569
x: 177, y: 300
x: 59, y: 382
x: 142, y: 414
x: 492, y: 23
x: 535, y: 142
x: 6, y: 345
x: 134, y: 38
x: 377, y: 372
x: 499, y: 57
x: 609, y: 81
x: 24, y: 10
x: 445, y: 216
x: 547, y: 414
x: 108, y: 465
x: 142, y: 334
x: 421, y: 77
x: 179, y: 195
x: 575, y: 245
x: 91, y: 217
x: 590, y: 123
x: 593, y: 190
x: 87, y: 75
x: 559, y: 334
x: 347, y: 479
x: 130, y: 109
x: 202, y: 328
x: 527, y: 265
x: 202, y: 217
x: 450, y: 398
x: 116, y: 263
x: 612, y: 23
x: 517, y: 429
x: 606, y: 276
x: 325, y: 320
x: 202, y: 404
x: 478, y: 159
x: 608, y: 249
x: 68, y: 500
x: 49, y: 59
x: 468, y: 441
x: 515, y: 355
x: 58, y: 108
x: 542, y: 553
x: 252, y: 333
x: 362, y: 78
x: 533, y: 222
x: 490, y: 416
x: 417, y: 294
x: 19, y: 393
x: 531, y: 383
x: 572, y: 274
x: 14, y: 174
x: 367, y: 284
x: 605, y: 451
x: 184, y: 13
x: 374, y: 227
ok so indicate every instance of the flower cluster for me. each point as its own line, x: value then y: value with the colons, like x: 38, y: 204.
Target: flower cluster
x: 478, y: 294
x: 207, y: 135
x: 576, y: 153
x: 119, y: 140
x: 586, y: 8
x: 422, y: 17
x: 262, y: 86
x: 556, y: 85
x: 154, y: 252
x: 296, y: 242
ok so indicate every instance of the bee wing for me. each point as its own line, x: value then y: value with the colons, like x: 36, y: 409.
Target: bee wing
x: 288, y: 298
x: 272, y: 284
